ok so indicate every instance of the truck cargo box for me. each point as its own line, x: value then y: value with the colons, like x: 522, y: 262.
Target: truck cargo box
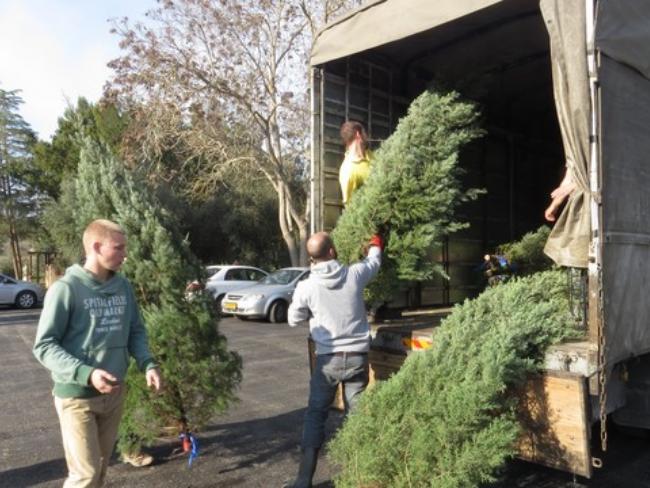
x: 557, y: 89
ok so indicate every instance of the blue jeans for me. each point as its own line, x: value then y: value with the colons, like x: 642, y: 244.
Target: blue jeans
x: 349, y: 369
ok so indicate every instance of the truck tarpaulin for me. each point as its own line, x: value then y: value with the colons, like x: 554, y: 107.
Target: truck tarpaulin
x: 568, y: 243
x: 382, y: 21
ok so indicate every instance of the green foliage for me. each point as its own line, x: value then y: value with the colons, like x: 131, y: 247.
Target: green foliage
x: 412, y: 192
x: 445, y: 420
x: 6, y: 267
x: 58, y: 220
x: 57, y: 163
x: 200, y: 374
x: 246, y: 230
x: 527, y: 254
x: 57, y: 160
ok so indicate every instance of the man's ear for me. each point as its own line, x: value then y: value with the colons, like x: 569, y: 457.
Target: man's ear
x: 97, y: 246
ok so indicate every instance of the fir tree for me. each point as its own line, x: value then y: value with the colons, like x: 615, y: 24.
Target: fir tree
x: 445, y: 420
x: 412, y: 192
x: 19, y: 201
x: 199, y: 373
x: 527, y: 254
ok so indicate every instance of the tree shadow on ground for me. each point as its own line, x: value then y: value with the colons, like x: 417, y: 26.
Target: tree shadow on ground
x: 254, y: 443
x: 34, y: 474
x: 259, y: 441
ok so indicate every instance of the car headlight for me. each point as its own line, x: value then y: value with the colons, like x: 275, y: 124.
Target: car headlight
x: 252, y: 298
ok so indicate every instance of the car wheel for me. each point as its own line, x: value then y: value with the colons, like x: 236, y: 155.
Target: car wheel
x: 278, y: 312
x: 217, y: 304
x: 26, y: 299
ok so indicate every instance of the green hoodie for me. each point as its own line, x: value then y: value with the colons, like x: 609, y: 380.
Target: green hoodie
x: 88, y: 324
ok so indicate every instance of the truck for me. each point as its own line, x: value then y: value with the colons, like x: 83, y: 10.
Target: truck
x: 563, y: 85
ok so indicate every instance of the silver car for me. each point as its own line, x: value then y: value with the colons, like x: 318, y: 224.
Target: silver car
x: 22, y: 294
x: 226, y: 278
x: 269, y: 298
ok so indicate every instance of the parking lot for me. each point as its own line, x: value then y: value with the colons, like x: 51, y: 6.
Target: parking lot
x: 255, y: 444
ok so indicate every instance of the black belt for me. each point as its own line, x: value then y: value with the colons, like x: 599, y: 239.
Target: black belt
x: 345, y: 353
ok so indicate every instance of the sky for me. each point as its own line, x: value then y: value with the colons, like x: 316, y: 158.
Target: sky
x: 57, y: 50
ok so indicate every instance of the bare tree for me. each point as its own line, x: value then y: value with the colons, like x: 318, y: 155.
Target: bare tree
x: 225, y: 82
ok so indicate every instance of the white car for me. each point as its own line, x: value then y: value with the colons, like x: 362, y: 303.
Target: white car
x: 226, y: 278
x: 22, y: 294
x: 270, y: 298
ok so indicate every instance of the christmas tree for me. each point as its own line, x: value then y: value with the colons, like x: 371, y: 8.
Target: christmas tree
x: 199, y: 373
x: 445, y: 419
x: 412, y: 192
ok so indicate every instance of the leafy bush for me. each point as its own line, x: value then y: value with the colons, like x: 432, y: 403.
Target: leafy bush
x: 445, y: 419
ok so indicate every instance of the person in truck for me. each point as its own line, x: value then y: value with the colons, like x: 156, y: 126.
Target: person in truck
x: 356, y: 164
x: 331, y: 300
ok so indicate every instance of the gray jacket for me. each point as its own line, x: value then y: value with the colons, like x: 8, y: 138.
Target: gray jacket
x: 332, y: 300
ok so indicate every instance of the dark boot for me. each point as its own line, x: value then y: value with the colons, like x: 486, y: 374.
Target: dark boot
x: 306, y: 470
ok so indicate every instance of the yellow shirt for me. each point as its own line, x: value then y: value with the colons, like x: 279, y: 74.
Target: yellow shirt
x: 353, y: 173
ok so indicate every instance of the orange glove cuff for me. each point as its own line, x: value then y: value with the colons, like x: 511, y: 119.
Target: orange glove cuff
x: 377, y: 240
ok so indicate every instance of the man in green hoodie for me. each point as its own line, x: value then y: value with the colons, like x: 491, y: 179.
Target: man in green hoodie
x: 89, y: 327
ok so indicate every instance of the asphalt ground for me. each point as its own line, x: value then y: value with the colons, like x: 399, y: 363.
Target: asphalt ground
x: 255, y: 444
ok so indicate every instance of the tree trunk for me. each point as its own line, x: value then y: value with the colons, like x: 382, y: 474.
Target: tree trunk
x: 10, y: 218
x: 15, y: 251
x: 303, y: 232
x: 284, y: 220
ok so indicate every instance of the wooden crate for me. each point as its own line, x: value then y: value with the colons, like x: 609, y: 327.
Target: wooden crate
x: 403, y: 338
x: 554, y: 415
x: 553, y: 411
x: 383, y: 364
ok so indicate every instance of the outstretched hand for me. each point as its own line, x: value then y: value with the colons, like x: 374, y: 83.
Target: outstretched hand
x: 558, y: 196
x: 375, y: 240
x: 561, y: 195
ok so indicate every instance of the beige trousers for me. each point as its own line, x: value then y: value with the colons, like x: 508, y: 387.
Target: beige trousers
x: 89, y: 429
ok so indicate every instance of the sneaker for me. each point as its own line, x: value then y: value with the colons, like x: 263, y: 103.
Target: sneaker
x: 139, y: 460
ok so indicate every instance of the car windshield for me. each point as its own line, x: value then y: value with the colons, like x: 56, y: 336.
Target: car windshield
x: 281, y: 277
x: 212, y: 270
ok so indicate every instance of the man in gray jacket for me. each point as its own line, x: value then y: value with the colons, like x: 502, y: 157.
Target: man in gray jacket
x: 331, y: 299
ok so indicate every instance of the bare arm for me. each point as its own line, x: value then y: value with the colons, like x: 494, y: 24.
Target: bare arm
x: 559, y: 195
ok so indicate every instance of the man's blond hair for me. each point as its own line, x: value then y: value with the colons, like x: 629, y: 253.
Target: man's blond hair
x: 100, y: 230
